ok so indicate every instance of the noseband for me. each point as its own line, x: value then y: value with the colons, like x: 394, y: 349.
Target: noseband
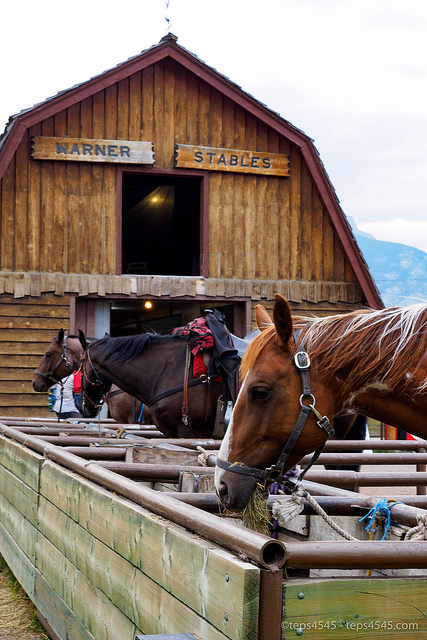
x: 97, y: 383
x: 275, y: 472
x: 63, y: 358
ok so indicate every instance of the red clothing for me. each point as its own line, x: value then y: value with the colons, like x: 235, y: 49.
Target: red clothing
x: 77, y: 386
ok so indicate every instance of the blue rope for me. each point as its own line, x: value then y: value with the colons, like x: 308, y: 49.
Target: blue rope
x: 142, y: 411
x: 381, y: 510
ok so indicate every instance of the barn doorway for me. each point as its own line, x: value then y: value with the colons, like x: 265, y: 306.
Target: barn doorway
x: 160, y: 225
x: 131, y: 317
x: 121, y: 316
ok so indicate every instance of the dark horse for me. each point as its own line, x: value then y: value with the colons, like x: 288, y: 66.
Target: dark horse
x: 62, y: 357
x: 158, y: 370
x: 302, y: 370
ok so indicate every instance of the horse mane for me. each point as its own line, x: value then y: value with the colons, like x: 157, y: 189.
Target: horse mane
x: 387, y: 346
x: 125, y: 348
x: 254, y: 349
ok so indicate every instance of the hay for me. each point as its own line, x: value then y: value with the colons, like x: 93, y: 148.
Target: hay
x: 256, y: 515
x: 17, y: 613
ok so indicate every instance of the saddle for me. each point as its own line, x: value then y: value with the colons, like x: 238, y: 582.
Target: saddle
x: 214, y: 355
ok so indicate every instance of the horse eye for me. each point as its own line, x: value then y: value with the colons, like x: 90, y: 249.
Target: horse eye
x: 260, y: 393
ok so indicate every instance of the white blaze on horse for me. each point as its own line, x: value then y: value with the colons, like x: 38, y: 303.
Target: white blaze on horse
x: 301, y: 370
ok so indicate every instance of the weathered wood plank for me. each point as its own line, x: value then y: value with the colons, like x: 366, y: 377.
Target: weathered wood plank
x: 142, y: 538
x: 233, y: 160
x: 24, y: 499
x: 23, y: 335
x: 135, y: 106
x: 91, y: 607
x: 294, y: 216
x: 151, y: 455
x: 168, y: 137
x: 34, y: 187
x: 306, y: 224
x: 111, y: 574
x: 19, y: 563
x: 18, y: 373
x: 60, y: 617
x: 84, y: 149
x: 387, y: 609
x: 19, y: 529
x: 22, y: 400
x: 21, y: 461
x: 8, y: 216
x: 252, y: 231
x: 123, y: 114
x: 21, y: 207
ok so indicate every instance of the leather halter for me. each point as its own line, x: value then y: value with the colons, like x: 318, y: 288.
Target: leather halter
x: 275, y: 472
x: 97, y: 383
x: 63, y: 358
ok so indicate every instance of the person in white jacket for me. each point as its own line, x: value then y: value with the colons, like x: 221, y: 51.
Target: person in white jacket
x: 64, y: 405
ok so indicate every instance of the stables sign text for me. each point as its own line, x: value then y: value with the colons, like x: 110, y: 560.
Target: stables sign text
x: 213, y: 159
x: 86, y: 150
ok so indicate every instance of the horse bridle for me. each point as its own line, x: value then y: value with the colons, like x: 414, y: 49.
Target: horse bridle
x: 63, y: 358
x: 275, y: 472
x: 98, y: 382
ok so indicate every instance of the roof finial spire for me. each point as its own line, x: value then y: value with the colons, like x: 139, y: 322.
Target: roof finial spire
x: 168, y: 20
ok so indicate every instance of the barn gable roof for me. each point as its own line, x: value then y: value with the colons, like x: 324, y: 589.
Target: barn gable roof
x: 168, y: 47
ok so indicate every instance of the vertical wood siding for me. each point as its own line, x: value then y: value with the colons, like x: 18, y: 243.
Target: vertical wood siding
x: 61, y: 216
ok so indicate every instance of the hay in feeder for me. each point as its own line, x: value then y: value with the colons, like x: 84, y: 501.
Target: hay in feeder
x: 256, y: 515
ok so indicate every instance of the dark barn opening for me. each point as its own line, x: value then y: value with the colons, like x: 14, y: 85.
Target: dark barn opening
x: 160, y: 225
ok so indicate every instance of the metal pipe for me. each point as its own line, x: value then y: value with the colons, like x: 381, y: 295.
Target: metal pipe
x: 367, y: 458
x: 402, y: 513
x: 421, y: 491
x: 353, y: 445
x: 365, y: 554
x: 263, y: 550
x: 154, y: 472
x: 353, y: 479
x: 354, y: 505
x: 94, y: 453
x: 79, y: 440
x: 206, y: 501
x: 270, y: 605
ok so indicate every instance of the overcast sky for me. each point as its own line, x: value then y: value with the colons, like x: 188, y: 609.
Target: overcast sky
x: 352, y: 74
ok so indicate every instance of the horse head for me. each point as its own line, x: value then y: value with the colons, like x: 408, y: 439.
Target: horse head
x: 277, y: 390
x: 94, y: 387
x: 59, y: 361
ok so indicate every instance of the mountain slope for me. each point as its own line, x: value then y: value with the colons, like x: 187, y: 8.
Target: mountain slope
x: 399, y: 271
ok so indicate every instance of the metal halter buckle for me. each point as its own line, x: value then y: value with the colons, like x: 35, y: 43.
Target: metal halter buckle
x: 302, y: 360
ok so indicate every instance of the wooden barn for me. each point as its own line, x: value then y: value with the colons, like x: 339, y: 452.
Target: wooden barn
x: 149, y: 193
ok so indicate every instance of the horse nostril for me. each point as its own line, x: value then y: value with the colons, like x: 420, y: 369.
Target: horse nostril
x: 223, y: 491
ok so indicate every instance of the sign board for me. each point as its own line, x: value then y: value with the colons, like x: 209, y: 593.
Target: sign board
x: 87, y: 150
x: 217, y: 159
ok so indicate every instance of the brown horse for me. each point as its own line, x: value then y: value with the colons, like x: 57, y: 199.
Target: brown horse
x: 62, y: 357
x: 158, y: 370
x: 370, y: 362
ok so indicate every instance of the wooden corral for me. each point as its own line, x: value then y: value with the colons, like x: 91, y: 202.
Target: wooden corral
x: 163, y: 566
x: 242, y: 203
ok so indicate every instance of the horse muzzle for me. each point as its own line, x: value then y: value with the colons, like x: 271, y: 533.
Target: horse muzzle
x: 41, y: 385
x: 234, y: 490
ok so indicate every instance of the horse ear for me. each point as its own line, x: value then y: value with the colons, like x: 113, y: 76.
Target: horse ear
x: 82, y: 339
x: 282, y: 319
x: 60, y: 335
x: 263, y: 320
